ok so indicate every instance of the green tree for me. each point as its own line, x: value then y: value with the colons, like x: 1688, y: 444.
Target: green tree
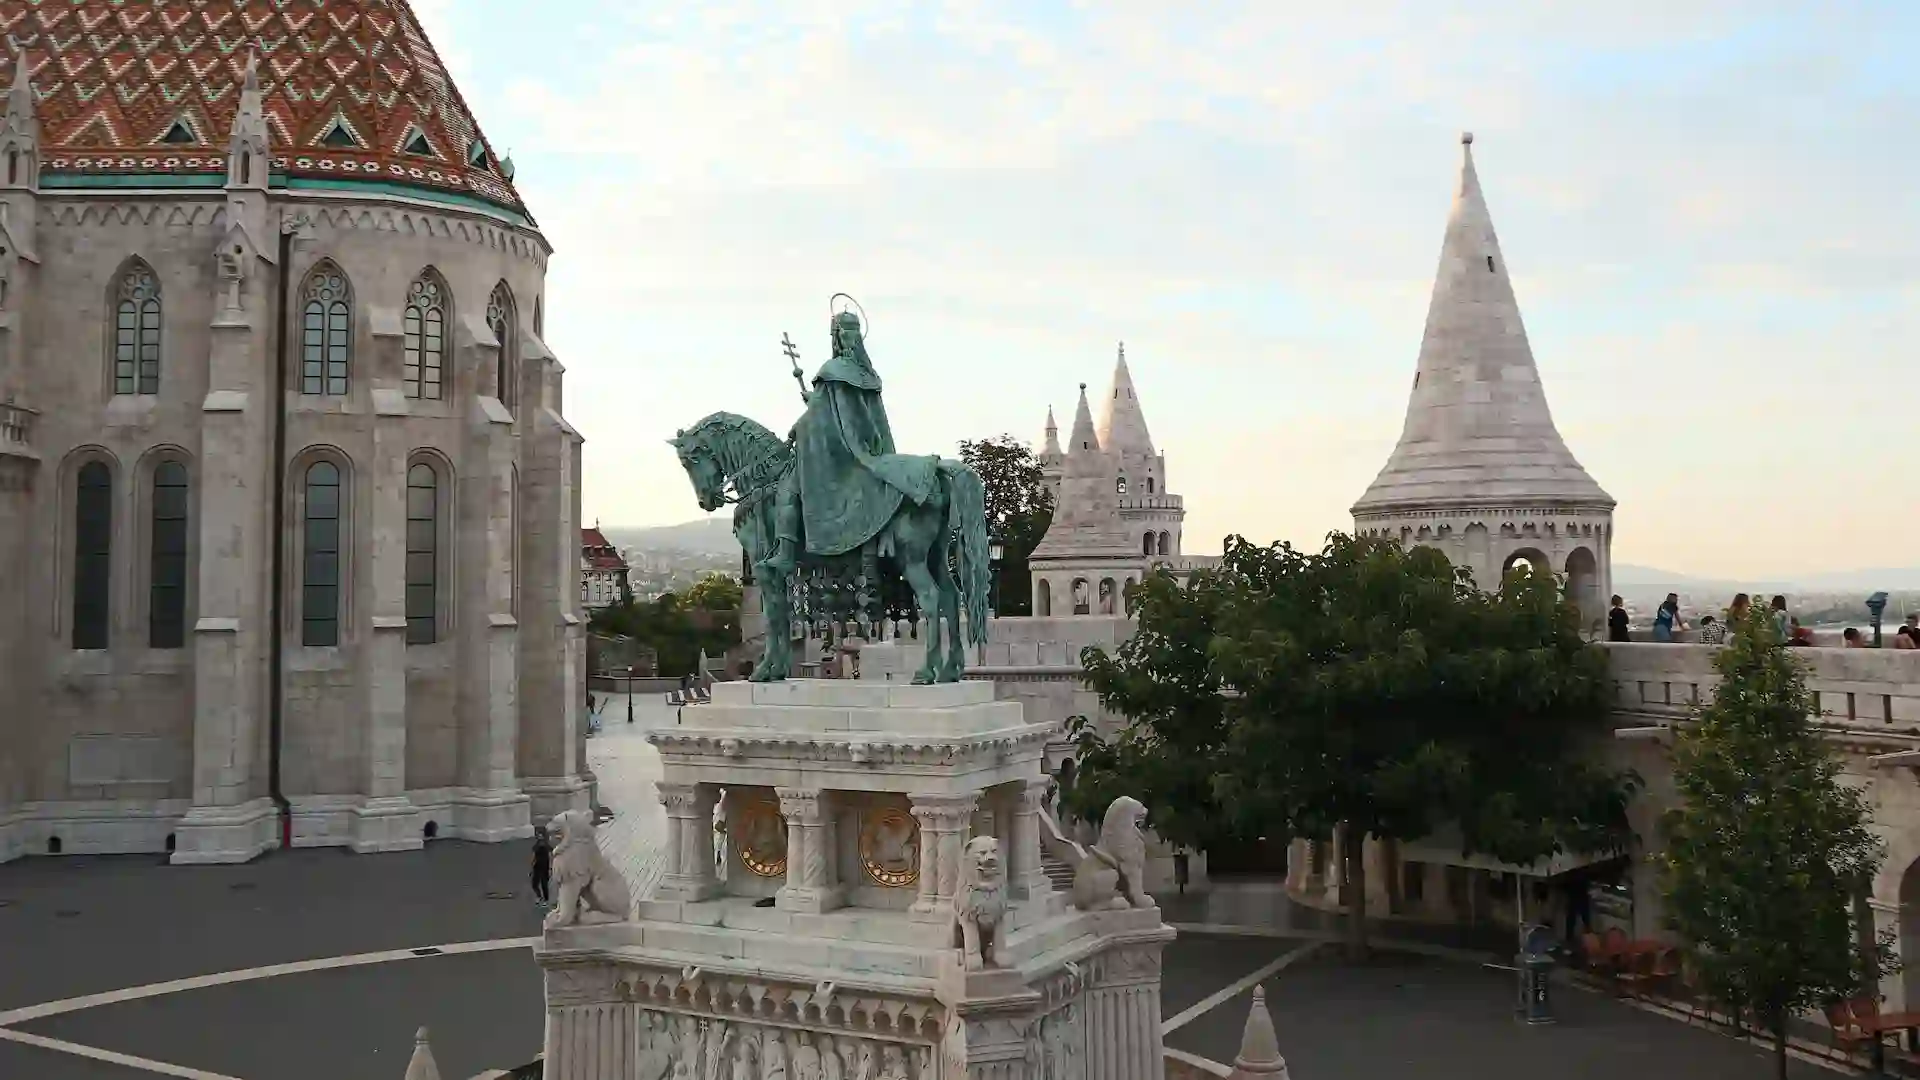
x: 675, y: 629
x: 1768, y: 847
x: 1019, y: 509
x: 1365, y: 690
x: 715, y: 592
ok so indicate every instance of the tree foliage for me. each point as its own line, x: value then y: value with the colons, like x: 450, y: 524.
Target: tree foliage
x: 1363, y: 688
x: 679, y: 628
x: 1019, y: 509
x: 1769, y: 847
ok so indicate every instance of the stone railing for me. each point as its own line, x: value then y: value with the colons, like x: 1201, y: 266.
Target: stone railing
x: 1151, y: 502
x: 1876, y: 690
x: 1185, y: 1066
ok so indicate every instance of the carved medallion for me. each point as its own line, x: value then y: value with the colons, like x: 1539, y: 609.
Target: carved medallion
x: 890, y: 848
x: 760, y: 835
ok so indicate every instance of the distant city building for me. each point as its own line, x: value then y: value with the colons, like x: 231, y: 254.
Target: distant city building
x: 603, y: 571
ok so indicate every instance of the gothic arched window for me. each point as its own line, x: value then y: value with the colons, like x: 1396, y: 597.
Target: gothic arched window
x: 92, y: 555
x: 1166, y: 544
x: 136, y: 332
x: 1106, y: 596
x: 167, y: 571
x: 501, y: 321
x: 1149, y: 485
x: 320, y: 556
x: 1120, y: 486
x: 1146, y: 544
x: 425, y: 329
x: 326, y: 331
x: 423, y: 554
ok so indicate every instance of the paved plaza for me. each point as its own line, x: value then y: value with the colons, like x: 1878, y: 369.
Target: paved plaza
x: 319, y: 965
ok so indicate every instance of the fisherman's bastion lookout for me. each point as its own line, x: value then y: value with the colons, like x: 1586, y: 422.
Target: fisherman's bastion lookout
x: 292, y: 660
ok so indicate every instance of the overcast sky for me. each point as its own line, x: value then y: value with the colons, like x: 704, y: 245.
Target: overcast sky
x: 1710, y: 212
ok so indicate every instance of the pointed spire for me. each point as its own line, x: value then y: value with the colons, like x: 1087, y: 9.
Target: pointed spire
x: 20, y: 95
x: 1050, y: 446
x: 1477, y: 427
x: 1082, y: 440
x: 422, y: 1067
x: 247, y: 143
x: 1123, y: 427
x: 1259, y: 1050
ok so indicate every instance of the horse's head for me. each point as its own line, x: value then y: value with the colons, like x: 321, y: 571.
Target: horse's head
x: 703, y: 465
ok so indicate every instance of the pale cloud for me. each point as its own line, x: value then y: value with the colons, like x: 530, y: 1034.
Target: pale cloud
x: 1706, y: 205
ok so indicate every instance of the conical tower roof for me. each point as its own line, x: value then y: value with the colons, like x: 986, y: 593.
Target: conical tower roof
x: 1123, y: 427
x: 1083, y: 440
x: 1050, y: 444
x: 353, y: 93
x: 1478, y: 430
x: 1259, y: 1050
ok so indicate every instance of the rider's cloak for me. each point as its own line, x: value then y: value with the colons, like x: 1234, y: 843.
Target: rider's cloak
x: 851, y: 479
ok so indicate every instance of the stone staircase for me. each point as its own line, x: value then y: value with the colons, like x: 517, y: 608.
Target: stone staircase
x: 1058, y: 872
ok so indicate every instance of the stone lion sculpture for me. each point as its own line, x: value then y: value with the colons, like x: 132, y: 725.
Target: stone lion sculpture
x: 1113, y: 873
x: 590, y: 889
x: 981, y: 904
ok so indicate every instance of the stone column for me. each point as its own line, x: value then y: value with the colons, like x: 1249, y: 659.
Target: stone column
x: 943, y: 833
x: 591, y: 1033
x: 1025, y: 876
x: 689, y: 873
x: 385, y: 822
x: 809, y: 887
x: 232, y: 819
x: 1123, y: 1015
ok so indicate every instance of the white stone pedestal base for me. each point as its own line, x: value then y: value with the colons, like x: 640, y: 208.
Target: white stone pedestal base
x: 386, y: 825
x: 224, y: 834
x: 492, y: 816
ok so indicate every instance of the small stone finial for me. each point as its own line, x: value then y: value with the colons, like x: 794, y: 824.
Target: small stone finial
x: 1466, y: 138
x: 422, y: 1066
x: 250, y: 80
x: 1083, y: 388
x: 1259, y: 1049
x: 20, y: 94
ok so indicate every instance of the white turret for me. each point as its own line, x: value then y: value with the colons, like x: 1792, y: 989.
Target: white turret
x: 1480, y: 471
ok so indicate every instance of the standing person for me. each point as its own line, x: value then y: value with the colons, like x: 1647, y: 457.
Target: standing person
x: 1904, y: 638
x: 1782, y: 623
x: 541, y: 876
x: 1666, y: 622
x: 1854, y: 638
x: 1712, y: 632
x: 1617, y: 620
x: 1742, y: 604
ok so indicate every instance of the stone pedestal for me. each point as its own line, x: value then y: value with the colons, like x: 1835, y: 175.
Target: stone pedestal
x: 851, y: 805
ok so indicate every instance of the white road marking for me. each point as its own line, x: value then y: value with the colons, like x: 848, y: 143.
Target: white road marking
x: 1235, y: 989
x: 97, y: 1054
x: 298, y: 967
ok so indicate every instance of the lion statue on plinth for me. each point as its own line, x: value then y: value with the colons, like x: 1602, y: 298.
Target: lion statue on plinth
x: 591, y: 890
x: 981, y: 904
x: 1113, y: 873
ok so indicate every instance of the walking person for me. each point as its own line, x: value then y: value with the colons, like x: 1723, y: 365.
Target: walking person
x: 541, y: 875
x: 1617, y: 620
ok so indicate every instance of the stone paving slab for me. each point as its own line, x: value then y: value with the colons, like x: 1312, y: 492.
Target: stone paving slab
x: 482, y: 1011
x: 627, y: 767
x: 1407, y: 1016
x: 18, y: 1062
x: 1196, y: 965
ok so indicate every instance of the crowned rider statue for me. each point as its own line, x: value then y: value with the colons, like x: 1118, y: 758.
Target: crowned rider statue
x: 849, y: 480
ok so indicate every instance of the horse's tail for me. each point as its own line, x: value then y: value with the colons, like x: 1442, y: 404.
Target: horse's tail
x: 967, y: 525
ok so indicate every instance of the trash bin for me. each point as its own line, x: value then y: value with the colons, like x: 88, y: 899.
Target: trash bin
x: 1535, y: 964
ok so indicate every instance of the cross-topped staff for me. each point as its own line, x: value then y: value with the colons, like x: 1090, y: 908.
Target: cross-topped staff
x: 793, y: 355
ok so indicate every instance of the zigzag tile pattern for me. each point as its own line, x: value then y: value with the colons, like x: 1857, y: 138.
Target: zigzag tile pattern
x: 352, y: 89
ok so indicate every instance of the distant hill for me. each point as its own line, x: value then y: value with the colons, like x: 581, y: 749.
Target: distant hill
x: 1897, y: 579
x: 704, y: 536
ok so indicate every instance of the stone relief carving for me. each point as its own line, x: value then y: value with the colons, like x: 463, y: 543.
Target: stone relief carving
x: 890, y: 848
x: 591, y: 890
x: 1058, y: 1048
x: 981, y: 903
x: 760, y: 835
x: 1111, y: 874
x: 679, y: 1047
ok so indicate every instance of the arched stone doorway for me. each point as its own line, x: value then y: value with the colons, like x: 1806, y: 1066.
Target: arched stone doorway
x: 1043, y: 599
x: 1533, y: 560
x: 1583, y: 584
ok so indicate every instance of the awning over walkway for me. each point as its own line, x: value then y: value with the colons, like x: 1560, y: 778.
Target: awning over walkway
x: 1442, y: 848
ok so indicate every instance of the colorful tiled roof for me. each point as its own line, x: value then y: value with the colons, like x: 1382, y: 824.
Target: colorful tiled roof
x: 598, y: 552
x: 352, y: 89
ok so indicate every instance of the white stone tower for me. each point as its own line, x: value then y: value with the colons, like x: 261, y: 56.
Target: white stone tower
x: 1140, y: 473
x: 1084, y: 563
x: 1481, y: 472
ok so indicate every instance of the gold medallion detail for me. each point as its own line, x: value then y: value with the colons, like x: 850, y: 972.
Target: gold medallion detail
x: 890, y: 848
x: 760, y: 836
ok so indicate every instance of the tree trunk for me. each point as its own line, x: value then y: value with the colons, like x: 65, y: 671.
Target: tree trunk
x: 1353, y: 883
x: 1780, y: 1044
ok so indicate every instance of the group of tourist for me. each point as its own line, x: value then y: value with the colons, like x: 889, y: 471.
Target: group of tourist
x: 1667, y: 623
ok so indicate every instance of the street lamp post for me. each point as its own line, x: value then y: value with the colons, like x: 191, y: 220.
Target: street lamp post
x: 996, y: 552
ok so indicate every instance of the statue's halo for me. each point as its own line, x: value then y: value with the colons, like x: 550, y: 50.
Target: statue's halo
x: 866, y: 324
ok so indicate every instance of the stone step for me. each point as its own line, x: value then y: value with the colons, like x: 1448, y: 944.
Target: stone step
x: 1057, y: 871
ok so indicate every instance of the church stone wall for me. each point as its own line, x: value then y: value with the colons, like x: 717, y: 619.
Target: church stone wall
x: 106, y: 748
